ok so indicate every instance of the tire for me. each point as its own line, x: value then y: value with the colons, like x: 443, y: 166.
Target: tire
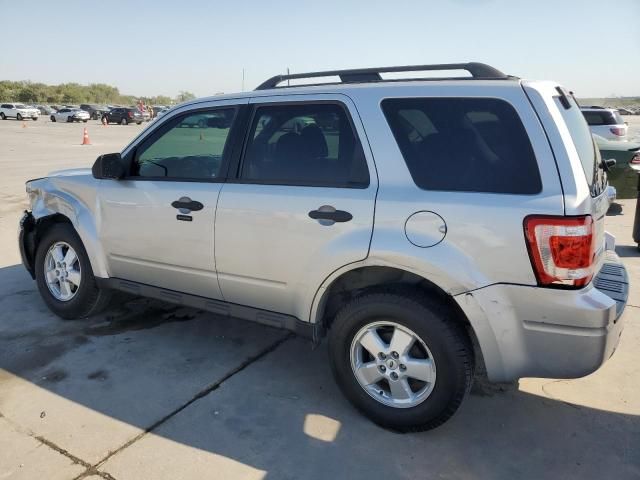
x: 3, y: 116
x: 19, y: 117
x: 124, y: 121
x: 69, y: 120
x: 53, y: 119
x: 88, y: 299
x: 105, y: 120
x: 35, y: 119
x: 447, y: 346
x: 85, y: 121
x: 138, y: 123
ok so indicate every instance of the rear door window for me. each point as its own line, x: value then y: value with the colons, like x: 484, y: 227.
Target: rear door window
x: 464, y: 144
x: 305, y: 144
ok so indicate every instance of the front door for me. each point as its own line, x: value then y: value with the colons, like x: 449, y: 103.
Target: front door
x: 157, y: 224
x: 301, y: 206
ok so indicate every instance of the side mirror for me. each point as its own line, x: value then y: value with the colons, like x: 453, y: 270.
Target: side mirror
x: 108, y: 166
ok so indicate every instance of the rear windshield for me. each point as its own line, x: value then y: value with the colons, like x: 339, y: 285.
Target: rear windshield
x: 464, y: 144
x: 605, y: 117
x: 581, y: 136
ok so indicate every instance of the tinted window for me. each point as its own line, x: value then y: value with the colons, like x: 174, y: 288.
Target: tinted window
x: 604, y: 117
x: 191, y: 148
x: 581, y: 136
x: 304, y: 144
x: 464, y: 144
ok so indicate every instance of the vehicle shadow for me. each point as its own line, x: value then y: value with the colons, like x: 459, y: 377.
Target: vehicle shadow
x: 627, y: 251
x: 225, y: 398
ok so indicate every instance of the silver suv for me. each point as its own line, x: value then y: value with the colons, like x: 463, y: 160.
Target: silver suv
x: 425, y: 226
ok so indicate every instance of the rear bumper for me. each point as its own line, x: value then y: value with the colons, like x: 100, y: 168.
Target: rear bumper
x: 540, y: 332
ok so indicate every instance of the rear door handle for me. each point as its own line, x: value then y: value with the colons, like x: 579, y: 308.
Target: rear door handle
x: 186, y: 205
x: 327, y: 212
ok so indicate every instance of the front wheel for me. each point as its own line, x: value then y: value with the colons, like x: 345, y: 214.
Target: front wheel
x: 53, y: 119
x: 64, y: 275
x: 19, y: 117
x: 34, y: 119
x: 401, y: 359
x: 85, y: 121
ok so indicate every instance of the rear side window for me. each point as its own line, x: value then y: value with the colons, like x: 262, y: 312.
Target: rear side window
x: 304, y: 144
x: 464, y: 144
x: 604, y: 117
x: 581, y: 136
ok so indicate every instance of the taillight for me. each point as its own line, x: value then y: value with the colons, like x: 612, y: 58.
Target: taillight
x: 130, y: 114
x: 562, y: 249
x: 619, y: 131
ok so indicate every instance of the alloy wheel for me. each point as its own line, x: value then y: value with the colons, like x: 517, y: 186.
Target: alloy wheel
x: 393, y: 364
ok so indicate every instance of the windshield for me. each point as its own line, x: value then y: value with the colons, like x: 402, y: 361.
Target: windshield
x: 19, y: 105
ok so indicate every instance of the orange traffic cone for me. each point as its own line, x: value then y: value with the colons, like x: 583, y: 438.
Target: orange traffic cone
x: 85, y: 138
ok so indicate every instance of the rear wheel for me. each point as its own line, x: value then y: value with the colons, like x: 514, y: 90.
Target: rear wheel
x: 69, y: 120
x: 105, y: 121
x: 124, y: 122
x: 34, y: 118
x: 64, y: 275
x: 85, y: 121
x: 400, y: 360
x: 53, y: 119
x: 3, y: 116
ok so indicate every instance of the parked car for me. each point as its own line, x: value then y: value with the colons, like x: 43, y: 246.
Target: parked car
x: 606, y: 122
x: 18, y: 111
x: 95, y: 111
x: 418, y: 225
x: 123, y: 116
x: 162, y: 112
x: 621, y: 175
x: 624, y: 111
x: 70, y: 115
x: 45, y: 109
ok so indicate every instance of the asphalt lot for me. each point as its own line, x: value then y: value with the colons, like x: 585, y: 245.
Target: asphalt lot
x: 151, y: 391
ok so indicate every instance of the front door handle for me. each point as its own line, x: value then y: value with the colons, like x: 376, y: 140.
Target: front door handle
x: 329, y: 213
x: 186, y: 205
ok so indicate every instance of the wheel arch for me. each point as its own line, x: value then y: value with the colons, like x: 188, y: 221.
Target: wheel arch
x: 51, y: 206
x: 346, y: 284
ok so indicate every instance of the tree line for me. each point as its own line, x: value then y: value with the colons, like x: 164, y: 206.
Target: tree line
x: 74, y: 93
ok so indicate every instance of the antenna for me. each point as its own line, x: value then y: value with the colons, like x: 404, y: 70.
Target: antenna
x: 242, y: 80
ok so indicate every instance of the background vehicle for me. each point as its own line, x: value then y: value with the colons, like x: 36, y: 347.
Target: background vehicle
x: 95, y: 111
x: 162, y: 112
x: 606, y: 122
x: 45, y: 109
x: 624, y: 111
x: 70, y: 115
x: 334, y: 211
x: 18, y: 111
x: 123, y: 116
x: 621, y: 175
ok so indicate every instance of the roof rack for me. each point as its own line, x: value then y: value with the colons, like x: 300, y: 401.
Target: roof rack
x: 478, y: 71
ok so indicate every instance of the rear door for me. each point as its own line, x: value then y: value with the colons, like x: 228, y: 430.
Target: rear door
x: 301, y: 205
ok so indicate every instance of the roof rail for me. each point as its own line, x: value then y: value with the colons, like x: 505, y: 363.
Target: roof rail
x: 477, y: 71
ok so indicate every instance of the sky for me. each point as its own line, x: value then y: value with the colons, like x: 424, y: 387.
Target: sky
x: 162, y: 47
